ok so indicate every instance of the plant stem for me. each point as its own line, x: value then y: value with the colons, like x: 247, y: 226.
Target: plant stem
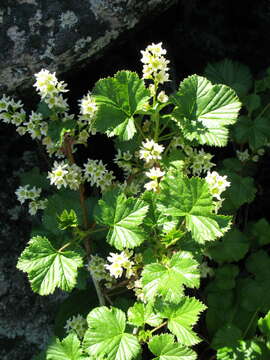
x: 159, y: 327
x: 264, y: 110
x: 68, y: 152
x: 64, y: 246
x: 101, y: 298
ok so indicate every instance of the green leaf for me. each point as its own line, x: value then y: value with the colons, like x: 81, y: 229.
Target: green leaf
x: 65, y: 200
x: 244, y: 350
x: 67, y: 220
x: 225, y: 277
x: 255, y: 132
x: 44, y: 109
x: 241, y: 191
x: 106, y: 336
x: 258, y: 264
x: 168, y: 280
x: 67, y: 349
x: 203, y: 111
x: 190, y: 198
x: 164, y: 347
x: 252, y: 102
x: 231, y: 73
x: 123, y: 216
x: 260, y: 232
x: 48, y: 268
x: 251, y: 295
x: 227, y: 335
x: 58, y: 128
x: 35, y: 178
x: 140, y: 314
x: 264, y: 325
x: 119, y: 98
x: 233, y: 247
x: 182, y: 317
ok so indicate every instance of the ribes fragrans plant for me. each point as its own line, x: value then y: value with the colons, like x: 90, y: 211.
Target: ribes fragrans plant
x: 145, y: 238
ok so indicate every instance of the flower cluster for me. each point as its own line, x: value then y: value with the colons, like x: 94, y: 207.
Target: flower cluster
x: 50, y: 89
x: 131, y: 188
x: 150, y: 151
x: 96, y: 266
x: 11, y: 112
x: 96, y: 173
x: 77, y: 324
x: 65, y: 175
x: 245, y: 156
x: 217, y: 184
x: 119, y: 263
x: 123, y: 160
x: 155, y: 174
x: 200, y: 162
x: 88, y: 107
x: 25, y: 193
x: 155, y: 64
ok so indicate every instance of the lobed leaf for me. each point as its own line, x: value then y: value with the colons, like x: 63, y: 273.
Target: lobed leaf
x: 123, y: 216
x: 119, y: 98
x: 67, y: 349
x: 168, y: 280
x: 48, y: 268
x: 106, y: 336
x: 191, y: 199
x: 181, y: 317
x: 164, y: 347
x: 203, y: 110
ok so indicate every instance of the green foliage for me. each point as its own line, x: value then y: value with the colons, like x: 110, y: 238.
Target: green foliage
x: 231, y: 73
x: 167, y: 280
x: 34, y: 178
x: 57, y: 129
x: 67, y: 220
x: 204, y: 111
x: 106, y: 336
x: 143, y: 244
x: 252, y: 350
x: 191, y: 199
x: 119, y: 99
x: 164, y: 347
x: 140, y: 314
x: 64, y: 200
x: 123, y: 216
x: 48, y: 268
x: 241, y: 191
x: 232, y: 247
x: 67, y: 349
x: 181, y: 317
x: 254, y: 132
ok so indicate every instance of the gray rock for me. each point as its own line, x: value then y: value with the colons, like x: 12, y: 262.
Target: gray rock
x: 59, y: 35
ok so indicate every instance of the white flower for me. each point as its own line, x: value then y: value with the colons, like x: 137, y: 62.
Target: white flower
x: 57, y: 175
x: 151, y: 185
x: 243, y: 155
x: 115, y: 269
x: 155, y: 173
x: 119, y: 262
x: 150, y: 151
x: 96, y: 173
x: 4, y: 103
x: 36, y: 205
x: 217, y: 184
x: 77, y: 324
x: 155, y: 64
x: 162, y: 97
x: 45, y: 82
x: 88, y: 106
x: 22, y: 193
